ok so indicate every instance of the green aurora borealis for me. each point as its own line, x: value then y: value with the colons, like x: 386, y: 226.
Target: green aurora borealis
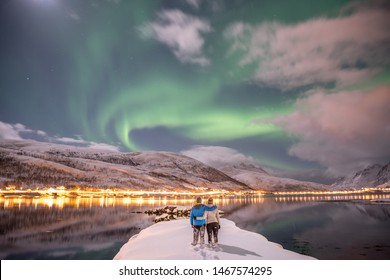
x: 89, y: 70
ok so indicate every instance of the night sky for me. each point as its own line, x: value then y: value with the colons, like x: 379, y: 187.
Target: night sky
x: 301, y: 87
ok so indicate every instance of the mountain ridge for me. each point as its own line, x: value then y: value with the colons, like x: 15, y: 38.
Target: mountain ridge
x: 37, y: 163
x: 32, y: 163
x: 373, y: 175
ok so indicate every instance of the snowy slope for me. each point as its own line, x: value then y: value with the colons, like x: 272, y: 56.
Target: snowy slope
x: 171, y: 241
x: 247, y: 170
x: 32, y: 163
x: 265, y: 181
x: 383, y: 176
x: 371, y: 176
x: 257, y: 178
x: 35, y: 163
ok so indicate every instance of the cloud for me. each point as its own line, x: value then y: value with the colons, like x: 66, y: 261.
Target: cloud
x: 73, y: 15
x: 70, y: 140
x: 17, y: 131
x: 103, y: 146
x: 21, y: 132
x: 339, y: 50
x: 194, y: 3
x: 114, y: 1
x: 181, y: 33
x: 217, y: 156
x: 41, y: 133
x: 343, y: 131
x: 11, y: 131
x: 81, y: 142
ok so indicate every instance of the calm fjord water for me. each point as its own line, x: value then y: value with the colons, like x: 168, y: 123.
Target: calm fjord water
x: 325, y: 227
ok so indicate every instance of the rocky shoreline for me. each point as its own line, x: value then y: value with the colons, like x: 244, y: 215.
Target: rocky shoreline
x: 169, y: 213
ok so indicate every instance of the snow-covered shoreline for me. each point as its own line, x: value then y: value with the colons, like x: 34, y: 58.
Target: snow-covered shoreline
x: 171, y: 241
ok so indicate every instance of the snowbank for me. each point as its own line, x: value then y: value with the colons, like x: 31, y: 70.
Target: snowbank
x: 171, y: 241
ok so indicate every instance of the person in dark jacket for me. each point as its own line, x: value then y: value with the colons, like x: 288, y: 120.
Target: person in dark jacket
x: 198, y: 220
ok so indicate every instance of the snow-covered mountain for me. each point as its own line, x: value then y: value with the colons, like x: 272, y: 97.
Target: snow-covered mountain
x: 31, y: 163
x: 371, y: 176
x: 264, y: 181
x: 383, y: 176
x: 257, y: 178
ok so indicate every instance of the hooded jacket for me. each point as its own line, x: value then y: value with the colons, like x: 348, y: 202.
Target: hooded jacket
x: 197, y: 211
x: 212, y: 216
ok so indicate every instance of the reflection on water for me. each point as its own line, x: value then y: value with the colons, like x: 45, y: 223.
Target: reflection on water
x: 68, y: 228
x: 330, y: 227
x: 81, y: 202
x: 326, y: 227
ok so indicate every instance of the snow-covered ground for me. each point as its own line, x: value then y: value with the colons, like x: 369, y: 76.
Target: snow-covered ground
x: 32, y: 163
x: 171, y: 241
x: 375, y: 175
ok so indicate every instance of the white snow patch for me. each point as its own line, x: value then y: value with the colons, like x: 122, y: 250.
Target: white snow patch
x: 171, y: 241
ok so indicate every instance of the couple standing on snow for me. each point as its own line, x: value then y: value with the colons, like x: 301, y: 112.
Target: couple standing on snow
x: 203, y: 216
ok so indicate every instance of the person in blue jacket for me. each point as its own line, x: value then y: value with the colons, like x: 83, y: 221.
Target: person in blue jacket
x: 198, y: 220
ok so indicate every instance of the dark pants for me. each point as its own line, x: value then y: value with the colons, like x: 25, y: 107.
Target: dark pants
x: 212, y: 231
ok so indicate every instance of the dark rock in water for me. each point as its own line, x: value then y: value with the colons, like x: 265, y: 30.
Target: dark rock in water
x: 170, y: 208
x: 168, y: 213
